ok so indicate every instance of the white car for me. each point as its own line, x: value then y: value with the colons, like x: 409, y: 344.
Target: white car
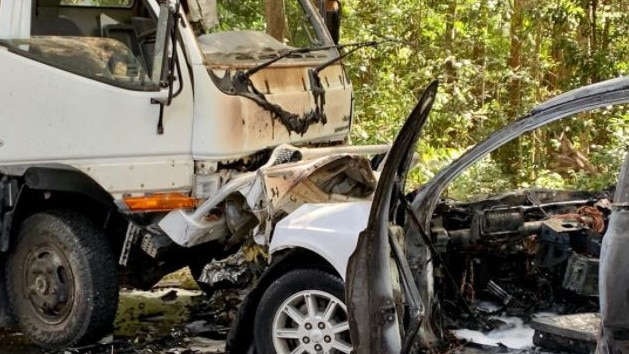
x: 392, y: 271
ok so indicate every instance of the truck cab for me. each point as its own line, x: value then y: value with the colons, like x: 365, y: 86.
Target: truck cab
x: 118, y: 113
x: 87, y: 85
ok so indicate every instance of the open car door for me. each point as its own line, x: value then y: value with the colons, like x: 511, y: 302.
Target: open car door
x: 373, y: 314
x: 613, y: 278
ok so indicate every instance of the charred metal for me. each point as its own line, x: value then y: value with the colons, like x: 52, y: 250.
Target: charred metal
x: 522, y: 256
x: 240, y: 84
x: 614, y: 286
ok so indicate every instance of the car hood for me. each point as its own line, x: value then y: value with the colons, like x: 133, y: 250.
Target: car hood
x: 331, y: 230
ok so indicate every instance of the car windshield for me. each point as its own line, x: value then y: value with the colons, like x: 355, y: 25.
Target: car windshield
x: 252, y: 30
x: 102, y: 59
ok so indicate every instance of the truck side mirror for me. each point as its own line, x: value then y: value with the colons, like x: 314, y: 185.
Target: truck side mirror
x: 165, y: 24
x: 163, y: 64
x: 332, y: 17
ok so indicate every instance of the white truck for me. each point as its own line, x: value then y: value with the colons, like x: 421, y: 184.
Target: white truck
x: 131, y: 147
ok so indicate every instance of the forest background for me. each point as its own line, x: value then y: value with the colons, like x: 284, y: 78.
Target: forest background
x: 495, y: 60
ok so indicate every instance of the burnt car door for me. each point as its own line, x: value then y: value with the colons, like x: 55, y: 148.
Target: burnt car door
x: 613, y: 279
x: 374, y: 321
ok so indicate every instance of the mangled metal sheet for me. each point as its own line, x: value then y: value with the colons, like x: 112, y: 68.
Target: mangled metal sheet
x: 373, y: 315
x: 253, y: 202
x: 280, y: 189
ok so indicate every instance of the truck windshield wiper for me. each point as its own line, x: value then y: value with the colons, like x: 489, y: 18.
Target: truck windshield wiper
x: 286, y: 54
x: 255, y: 69
x: 318, y: 92
x: 356, y: 46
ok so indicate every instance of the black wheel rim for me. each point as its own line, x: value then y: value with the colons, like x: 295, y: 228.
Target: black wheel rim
x: 49, y: 283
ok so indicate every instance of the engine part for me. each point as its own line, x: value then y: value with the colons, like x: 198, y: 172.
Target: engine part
x: 501, y: 221
x: 239, y: 218
x: 582, y: 275
x: 554, y: 242
x: 499, y: 292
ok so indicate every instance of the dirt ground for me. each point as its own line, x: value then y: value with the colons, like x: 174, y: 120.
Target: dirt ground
x: 177, y: 318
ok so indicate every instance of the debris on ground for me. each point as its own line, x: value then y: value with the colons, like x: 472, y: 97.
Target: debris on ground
x: 170, y: 320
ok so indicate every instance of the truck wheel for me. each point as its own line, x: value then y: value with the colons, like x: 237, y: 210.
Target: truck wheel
x: 62, y: 280
x: 303, y: 311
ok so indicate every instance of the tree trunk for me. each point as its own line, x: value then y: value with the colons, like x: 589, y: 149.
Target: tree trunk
x: 515, y: 57
x: 449, y: 41
x: 605, y: 39
x: 479, y: 54
x: 509, y: 156
x: 275, y: 19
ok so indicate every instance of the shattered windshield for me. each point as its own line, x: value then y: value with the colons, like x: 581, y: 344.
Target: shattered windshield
x: 102, y: 59
x: 252, y: 30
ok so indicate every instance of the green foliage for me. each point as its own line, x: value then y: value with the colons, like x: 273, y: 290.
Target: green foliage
x: 241, y: 15
x: 495, y: 60
x: 483, y: 179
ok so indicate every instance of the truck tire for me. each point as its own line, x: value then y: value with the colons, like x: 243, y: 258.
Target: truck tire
x: 62, y: 280
x: 303, y: 308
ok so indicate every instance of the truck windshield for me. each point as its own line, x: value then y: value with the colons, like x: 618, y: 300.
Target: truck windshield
x: 252, y: 30
x: 102, y: 59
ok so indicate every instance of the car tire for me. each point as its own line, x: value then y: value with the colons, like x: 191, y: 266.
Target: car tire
x: 62, y: 280
x: 304, y: 307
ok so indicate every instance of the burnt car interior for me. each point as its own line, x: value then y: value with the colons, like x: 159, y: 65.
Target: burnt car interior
x: 519, y: 254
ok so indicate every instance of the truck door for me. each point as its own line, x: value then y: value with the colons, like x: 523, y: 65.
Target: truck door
x: 77, y: 90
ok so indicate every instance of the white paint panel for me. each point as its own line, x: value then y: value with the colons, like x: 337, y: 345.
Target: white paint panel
x: 228, y: 126
x: 132, y: 177
x: 49, y: 115
x: 15, y: 19
x: 329, y: 230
